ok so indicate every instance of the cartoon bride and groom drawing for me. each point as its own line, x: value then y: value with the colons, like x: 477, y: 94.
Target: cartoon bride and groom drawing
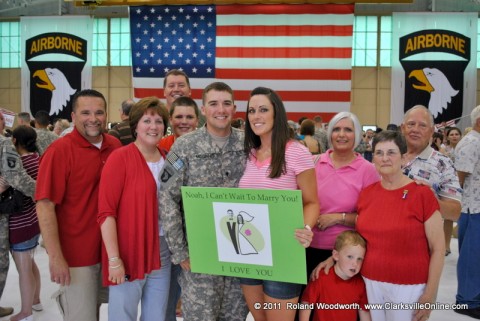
x: 245, y: 237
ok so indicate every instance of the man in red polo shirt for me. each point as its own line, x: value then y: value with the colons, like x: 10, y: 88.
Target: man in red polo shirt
x: 67, y: 201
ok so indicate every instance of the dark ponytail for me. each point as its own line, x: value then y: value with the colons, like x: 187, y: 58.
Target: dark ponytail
x: 25, y: 137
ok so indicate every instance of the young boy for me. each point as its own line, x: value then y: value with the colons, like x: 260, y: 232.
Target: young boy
x: 339, y: 295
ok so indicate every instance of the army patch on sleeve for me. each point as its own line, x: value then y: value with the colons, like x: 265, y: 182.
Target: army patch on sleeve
x: 166, y: 175
x: 175, y: 161
x: 11, y: 162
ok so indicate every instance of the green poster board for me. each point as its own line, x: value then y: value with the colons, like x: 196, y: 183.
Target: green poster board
x: 245, y: 232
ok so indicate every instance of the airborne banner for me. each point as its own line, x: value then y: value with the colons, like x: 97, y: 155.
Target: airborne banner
x: 434, y: 64
x: 56, y: 63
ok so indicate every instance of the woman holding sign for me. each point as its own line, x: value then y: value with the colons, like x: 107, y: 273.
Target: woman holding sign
x: 280, y: 163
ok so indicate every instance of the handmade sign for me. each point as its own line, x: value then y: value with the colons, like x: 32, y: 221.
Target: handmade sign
x: 246, y: 233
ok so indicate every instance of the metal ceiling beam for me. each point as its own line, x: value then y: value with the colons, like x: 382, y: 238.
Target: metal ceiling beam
x: 193, y: 2
x: 29, y: 4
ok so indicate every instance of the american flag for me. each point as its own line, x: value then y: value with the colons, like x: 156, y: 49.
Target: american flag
x: 450, y: 123
x: 301, y: 51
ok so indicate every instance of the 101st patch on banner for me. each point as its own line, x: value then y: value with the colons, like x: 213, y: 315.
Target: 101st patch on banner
x: 247, y: 233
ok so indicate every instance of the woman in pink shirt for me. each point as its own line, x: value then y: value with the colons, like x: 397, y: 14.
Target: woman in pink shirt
x: 402, y: 224
x: 279, y: 163
x: 341, y: 175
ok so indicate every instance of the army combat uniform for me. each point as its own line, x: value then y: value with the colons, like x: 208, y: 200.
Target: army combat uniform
x: 44, y: 139
x: 195, y: 160
x: 12, y: 172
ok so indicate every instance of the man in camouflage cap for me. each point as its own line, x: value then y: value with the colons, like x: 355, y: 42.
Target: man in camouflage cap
x: 13, y: 174
x: 211, y: 156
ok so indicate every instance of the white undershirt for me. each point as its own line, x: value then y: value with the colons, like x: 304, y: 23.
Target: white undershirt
x: 156, y: 168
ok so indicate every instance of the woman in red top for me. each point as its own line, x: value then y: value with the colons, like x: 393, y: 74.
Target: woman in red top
x: 128, y: 218
x: 183, y: 119
x: 401, y: 222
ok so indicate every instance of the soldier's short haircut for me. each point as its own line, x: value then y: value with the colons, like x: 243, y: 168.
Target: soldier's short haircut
x: 24, y: 116
x: 42, y: 118
x: 217, y: 86
x: 87, y: 93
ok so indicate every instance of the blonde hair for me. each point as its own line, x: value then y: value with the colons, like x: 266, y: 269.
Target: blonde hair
x: 349, y: 238
x: 63, y: 123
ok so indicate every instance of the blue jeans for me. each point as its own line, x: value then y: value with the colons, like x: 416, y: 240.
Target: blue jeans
x: 26, y: 245
x: 152, y: 291
x: 276, y: 289
x: 174, y: 295
x: 468, y: 271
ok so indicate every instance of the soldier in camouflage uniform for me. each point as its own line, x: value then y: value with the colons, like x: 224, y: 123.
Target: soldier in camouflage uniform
x: 211, y: 156
x: 44, y: 136
x: 13, y: 174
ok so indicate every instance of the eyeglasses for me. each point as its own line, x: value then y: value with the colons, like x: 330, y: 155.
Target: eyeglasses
x: 389, y: 153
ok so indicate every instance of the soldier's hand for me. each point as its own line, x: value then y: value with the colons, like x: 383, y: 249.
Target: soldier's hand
x: 59, y: 272
x: 185, y: 265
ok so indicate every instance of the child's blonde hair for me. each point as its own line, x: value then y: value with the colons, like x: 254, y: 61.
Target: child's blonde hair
x: 349, y: 238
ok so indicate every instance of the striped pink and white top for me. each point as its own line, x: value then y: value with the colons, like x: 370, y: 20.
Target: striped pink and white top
x: 298, y: 159
x: 24, y: 226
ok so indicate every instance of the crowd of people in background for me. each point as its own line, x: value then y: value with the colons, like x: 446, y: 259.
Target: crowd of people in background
x: 401, y: 185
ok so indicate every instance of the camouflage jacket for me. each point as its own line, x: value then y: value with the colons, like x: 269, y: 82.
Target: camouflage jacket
x: 12, y: 170
x: 195, y: 160
x: 321, y: 137
x: 44, y: 139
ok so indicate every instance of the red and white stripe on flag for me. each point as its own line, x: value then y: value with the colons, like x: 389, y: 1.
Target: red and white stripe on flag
x: 450, y: 123
x: 301, y: 51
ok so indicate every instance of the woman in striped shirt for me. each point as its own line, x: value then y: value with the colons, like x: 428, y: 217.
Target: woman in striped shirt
x: 275, y: 161
x: 24, y: 229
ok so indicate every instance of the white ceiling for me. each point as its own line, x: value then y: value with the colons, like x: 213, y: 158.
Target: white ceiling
x: 12, y: 9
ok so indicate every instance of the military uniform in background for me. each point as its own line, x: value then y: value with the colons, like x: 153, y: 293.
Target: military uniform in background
x: 44, y: 139
x: 321, y: 137
x: 195, y: 160
x: 11, y: 170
